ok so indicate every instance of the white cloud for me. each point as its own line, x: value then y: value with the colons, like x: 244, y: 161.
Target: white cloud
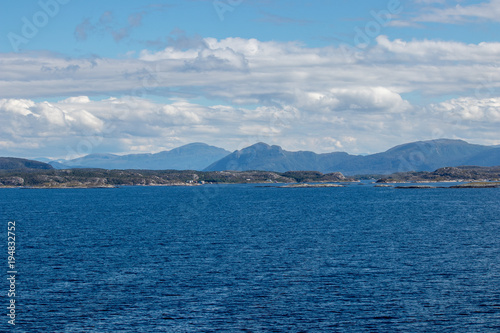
x: 486, y: 11
x: 17, y: 106
x: 76, y: 100
x: 468, y: 108
x: 176, y: 114
x: 433, y: 51
x: 362, y: 99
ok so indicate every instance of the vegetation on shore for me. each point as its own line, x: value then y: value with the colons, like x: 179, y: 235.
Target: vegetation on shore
x: 111, y: 178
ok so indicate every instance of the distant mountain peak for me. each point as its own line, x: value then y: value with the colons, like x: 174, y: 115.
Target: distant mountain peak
x: 194, y: 145
x: 426, y: 144
x: 258, y: 145
x: 445, y: 140
x: 197, y: 145
x: 262, y: 146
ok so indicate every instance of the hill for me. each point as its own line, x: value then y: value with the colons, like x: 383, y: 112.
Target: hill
x: 11, y: 163
x: 463, y: 173
x: 273, y: 158
x: 416, y: 156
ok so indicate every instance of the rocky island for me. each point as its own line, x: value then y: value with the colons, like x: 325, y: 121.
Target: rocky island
x: 100, y: 178
x: 448, y: 174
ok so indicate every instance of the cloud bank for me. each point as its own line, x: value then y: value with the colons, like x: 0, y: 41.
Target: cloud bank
x: 319, y: 99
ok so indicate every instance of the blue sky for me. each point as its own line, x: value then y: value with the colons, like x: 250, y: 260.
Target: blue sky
x: 144, y: 76
x: 316, y: 24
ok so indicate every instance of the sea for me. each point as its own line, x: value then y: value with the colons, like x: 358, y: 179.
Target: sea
x: 253, y: 258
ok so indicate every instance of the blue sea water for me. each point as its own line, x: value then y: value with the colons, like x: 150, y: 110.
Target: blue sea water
x: 241, y: 258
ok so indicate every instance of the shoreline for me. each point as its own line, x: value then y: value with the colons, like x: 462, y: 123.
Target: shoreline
x: 417, y: 185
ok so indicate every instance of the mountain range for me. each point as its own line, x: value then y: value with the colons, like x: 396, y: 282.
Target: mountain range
x: 415, y: 156
x: 194, y: 156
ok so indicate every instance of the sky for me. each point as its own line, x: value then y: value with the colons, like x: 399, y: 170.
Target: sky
x: 82, y: 77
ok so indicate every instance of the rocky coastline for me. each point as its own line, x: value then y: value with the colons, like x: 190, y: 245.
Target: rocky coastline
x: 469, y: 177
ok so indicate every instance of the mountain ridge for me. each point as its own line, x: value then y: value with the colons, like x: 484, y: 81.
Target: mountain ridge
x: 193, y: 156
x: 414, y: 156
x: 13, y: 163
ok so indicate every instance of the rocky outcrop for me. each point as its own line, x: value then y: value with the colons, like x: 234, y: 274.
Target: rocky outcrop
x: 465, y: 173
x: 310, y: 185
x: 12, y: 181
